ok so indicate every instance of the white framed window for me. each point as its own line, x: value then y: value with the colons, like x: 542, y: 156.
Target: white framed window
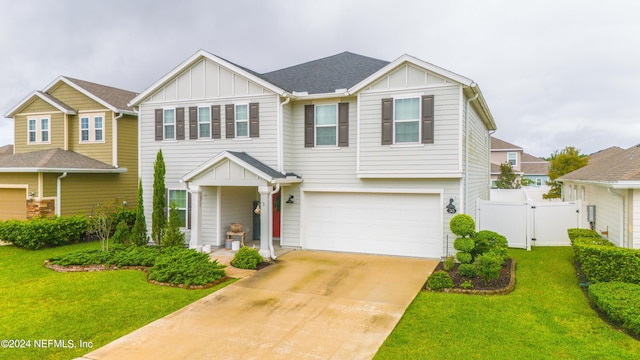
x: 539, y: 181
x: 512, y: 158
x: 179, y: 198
x: 326, y: 125
x: 33, y: 133
x: 406, y: 120
x: 242, y: 120
x: 169, y: 124
x: 204, y: 122
x: 91, y: 128
x: 44, y: 130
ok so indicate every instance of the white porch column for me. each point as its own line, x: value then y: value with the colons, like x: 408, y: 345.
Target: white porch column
x: 196, y: 216
x: 265, y: 225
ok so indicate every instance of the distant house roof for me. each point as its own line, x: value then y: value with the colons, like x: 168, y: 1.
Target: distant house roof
x: 54, y: 160
x: 497, y: 144
x: 340, y: 71
x: 6, y: 150
x: 495, y: 169
x: 532, y: 165
x: 614, y: 165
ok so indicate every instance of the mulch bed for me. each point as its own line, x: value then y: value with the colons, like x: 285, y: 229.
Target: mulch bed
x: 504, y: 284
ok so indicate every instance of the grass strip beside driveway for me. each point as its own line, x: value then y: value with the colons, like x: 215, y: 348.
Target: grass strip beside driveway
x: 546, y: 317
x: 39, y: 304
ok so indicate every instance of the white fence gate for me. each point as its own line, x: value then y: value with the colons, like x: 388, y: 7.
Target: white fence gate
x: 527, y: 224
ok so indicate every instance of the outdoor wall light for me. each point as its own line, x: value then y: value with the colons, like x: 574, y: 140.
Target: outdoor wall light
x: 291, y: 200
x: 451, y: 209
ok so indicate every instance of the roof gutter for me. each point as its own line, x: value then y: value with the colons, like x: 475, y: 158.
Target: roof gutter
x: 58, y: 194
x: 280, y: 131
x: 114, y: 161
x: 65, y: 170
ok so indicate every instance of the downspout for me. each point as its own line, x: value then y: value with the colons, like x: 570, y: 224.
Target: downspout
x: 115, y: 139
x: 466, y: 153
x: 489, y: 147
x: 611, y: 191
x: 280, y: 131
x: 271, y: 249
x: 58, y: 195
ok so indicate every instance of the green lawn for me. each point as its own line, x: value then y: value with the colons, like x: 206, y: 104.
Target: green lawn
x: 98, y: 307
x: 546, y: 317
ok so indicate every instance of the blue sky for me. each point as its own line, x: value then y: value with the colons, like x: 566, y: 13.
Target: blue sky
x: 554, y: 73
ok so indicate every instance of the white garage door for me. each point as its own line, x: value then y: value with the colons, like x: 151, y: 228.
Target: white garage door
x: 374, y: 223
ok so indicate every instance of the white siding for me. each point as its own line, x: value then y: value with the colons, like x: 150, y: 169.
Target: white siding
x: 477, y: 175
x: 209, y: 235
x: 608, y: 210
x: 237, y: 206
x: 635, y: 226
x: 290, y: 213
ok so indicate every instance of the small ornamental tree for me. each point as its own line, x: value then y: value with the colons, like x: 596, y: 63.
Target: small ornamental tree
x: 139, y: 233
x: 463, y: 226
x: 563, y: 162
x: 158, y: 217
x: 507, y: 178
x: 101, y: 223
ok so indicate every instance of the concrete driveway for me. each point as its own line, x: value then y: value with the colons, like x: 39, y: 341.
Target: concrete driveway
x: 309, y: 305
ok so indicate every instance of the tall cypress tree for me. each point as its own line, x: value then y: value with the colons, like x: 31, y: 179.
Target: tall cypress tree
x: 158, y: 217
x: 139, y: 232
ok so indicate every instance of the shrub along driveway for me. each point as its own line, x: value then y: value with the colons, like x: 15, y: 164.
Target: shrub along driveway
x: 311, y: 305
x: 546, y: 317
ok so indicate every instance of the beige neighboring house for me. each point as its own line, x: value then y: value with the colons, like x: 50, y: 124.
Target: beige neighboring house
x: 75, y: 147
x: 524, y: 165
x: 611, y: 183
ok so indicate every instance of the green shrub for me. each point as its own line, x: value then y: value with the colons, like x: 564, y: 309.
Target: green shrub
x: 39, y: 233
x: 247, y: 258
x: 487, y: 240
x: 439, y: 280
x: 178, y: 265
x: 122, y: 234
x: 489, y: 265
x: 119, y: 255
x: 172, y: 235
x: 83, y: 257
x: 466, y: 285
x: 575, y: 233
x: 448, y: 263
x: 126, y: 215
x: 462, y: 225
x: 464, y: 257
x: 464, y: 244
x: 603, y: 263
x: 467, y: 270
x: 620, y: 301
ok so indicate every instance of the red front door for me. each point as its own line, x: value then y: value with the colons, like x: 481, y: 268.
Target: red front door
x: 276, y: 214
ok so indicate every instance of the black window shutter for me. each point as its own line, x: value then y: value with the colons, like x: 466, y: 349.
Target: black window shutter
x: 427, y: 119
x: 387, y: 121
x: 180, y: 123
x: 254, y: 120
x: 159, y: 125
x: 193, y: 122
x: 188, y: 224
x: 215, y: 121
x: 309, y: 114
x: 343, y: 124
x: 230, y: 126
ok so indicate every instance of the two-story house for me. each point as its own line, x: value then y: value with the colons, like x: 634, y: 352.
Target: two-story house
x: 525, y: 166
x: 75, y: 147
x: 345, y: 153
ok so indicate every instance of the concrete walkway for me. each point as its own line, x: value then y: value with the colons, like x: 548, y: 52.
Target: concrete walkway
x: 309, y: 305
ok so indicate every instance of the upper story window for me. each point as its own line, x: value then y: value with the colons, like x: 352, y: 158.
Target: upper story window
x: 204, y: 122
x: 169, y: 124
x: 406, y: 120
x: 242, y: 120
x: 91, y: 128
x: 38, y: 130
x: 512, y: 158
x: 326, y: 125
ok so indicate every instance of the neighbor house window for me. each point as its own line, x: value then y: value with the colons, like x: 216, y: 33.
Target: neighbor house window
x: 406, y: 120
x: 32, y: 130
x: 326, y: 118
x: 92, y: 128
x: 169, y: 121
x: 512, y: 158
x: 98, y: 129
x: 204, y: 122
x: 179, y: 199
x: 44, y: 130
x: 242, y: 120
x: 539, y: 181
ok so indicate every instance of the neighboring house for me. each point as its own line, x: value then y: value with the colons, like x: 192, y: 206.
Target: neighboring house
x: 523, y: 164
x: 345, y: 153
x: 75, y: 147
x: 611, y: 182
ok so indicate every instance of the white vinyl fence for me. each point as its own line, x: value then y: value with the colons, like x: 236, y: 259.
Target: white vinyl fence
x: 529, y: 223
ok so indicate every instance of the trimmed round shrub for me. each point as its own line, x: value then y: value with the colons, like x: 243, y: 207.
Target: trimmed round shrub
x: 464, y: 257
x: 487, y: 240
x: 247, y: 258
x: 464, y: 244
x: 467, y: 270
x: 462, y: 225
x: 439, y: 280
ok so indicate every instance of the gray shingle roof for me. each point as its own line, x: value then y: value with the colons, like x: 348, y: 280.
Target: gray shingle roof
x: 497, y: 144
x: 52, y: 159
x: 615, y: 165
x: 117, y: 98
x: 531, y: 165
x: 6, y: 150
x: 341, y: 71
x: 275, y: 174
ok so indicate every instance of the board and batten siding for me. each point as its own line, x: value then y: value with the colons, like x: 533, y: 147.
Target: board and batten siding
x: 478, y: 172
